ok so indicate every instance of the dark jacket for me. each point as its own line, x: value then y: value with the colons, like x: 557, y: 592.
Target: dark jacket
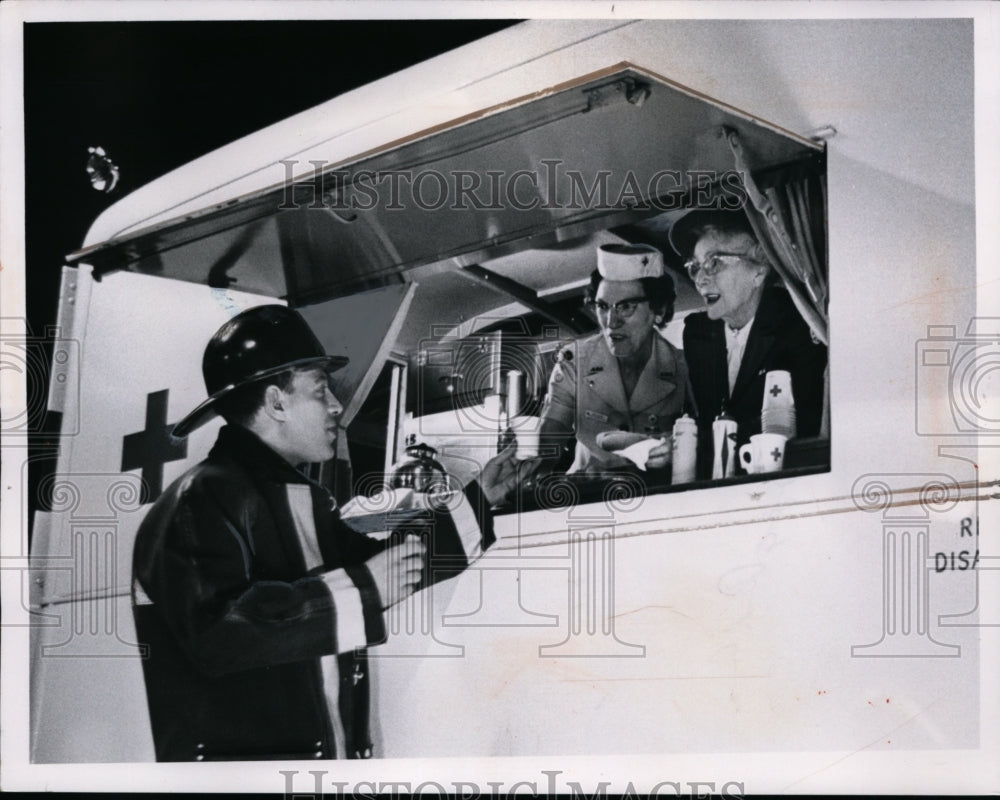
x: 778, y: 340
x: 234, y: 623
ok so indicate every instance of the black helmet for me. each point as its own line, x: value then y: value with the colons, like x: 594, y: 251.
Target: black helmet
x: 255, y: 344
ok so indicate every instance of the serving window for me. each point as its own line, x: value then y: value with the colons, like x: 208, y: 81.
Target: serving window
x: 484, y: 234
x: 472, y: 380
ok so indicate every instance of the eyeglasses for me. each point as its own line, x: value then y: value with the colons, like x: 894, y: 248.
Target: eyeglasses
x: 625, y: 308
x: 711, y: 265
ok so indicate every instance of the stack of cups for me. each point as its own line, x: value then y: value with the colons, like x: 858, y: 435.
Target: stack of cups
x: 777, y: 414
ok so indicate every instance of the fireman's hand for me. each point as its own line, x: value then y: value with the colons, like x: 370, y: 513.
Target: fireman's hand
x: 397, y: 569
x: 500, y: 475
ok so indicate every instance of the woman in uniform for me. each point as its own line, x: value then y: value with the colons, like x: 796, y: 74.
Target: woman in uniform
x: 626, y: 378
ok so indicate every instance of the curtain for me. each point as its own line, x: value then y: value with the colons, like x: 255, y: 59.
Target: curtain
x: 789, y: 221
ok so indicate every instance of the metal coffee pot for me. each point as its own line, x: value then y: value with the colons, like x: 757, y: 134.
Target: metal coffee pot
x: 419, y: 469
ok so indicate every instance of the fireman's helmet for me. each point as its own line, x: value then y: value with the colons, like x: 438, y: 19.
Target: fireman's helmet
x: 255, y: 344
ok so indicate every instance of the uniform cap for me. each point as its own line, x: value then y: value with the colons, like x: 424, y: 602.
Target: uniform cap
x: 629, y: 262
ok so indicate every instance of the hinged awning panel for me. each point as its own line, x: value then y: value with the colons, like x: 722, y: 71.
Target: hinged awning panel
x: 606, y: 149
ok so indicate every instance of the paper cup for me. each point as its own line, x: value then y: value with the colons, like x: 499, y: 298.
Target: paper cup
x: 527, y: 430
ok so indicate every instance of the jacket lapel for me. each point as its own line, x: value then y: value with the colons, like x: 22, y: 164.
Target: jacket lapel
x: 710, y: 355
x: 658, y: 378
x: 602, y: 375
x: 759, y: 344
x: 272, y: 475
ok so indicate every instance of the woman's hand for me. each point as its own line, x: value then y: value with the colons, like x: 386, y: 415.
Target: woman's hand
x: 661, y: 455
x: 613, y: 441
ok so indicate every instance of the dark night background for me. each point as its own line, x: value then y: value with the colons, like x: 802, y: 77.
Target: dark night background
x: 156, y: 95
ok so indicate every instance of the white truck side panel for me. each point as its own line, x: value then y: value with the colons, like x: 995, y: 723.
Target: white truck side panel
x: 748, y: 622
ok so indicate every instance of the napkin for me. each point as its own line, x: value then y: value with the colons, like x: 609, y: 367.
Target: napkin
x: 638, y: 453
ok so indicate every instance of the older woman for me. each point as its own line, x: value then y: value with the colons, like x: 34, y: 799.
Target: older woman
x: 626, y: 377
x: 749, y: 327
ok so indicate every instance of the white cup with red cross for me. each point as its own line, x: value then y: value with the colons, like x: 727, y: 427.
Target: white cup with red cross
x: 765, y: 452
x: 778, y: 390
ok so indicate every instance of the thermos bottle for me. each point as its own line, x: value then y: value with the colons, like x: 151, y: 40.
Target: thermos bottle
x: 724, y: 447
x: 685, y: 450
